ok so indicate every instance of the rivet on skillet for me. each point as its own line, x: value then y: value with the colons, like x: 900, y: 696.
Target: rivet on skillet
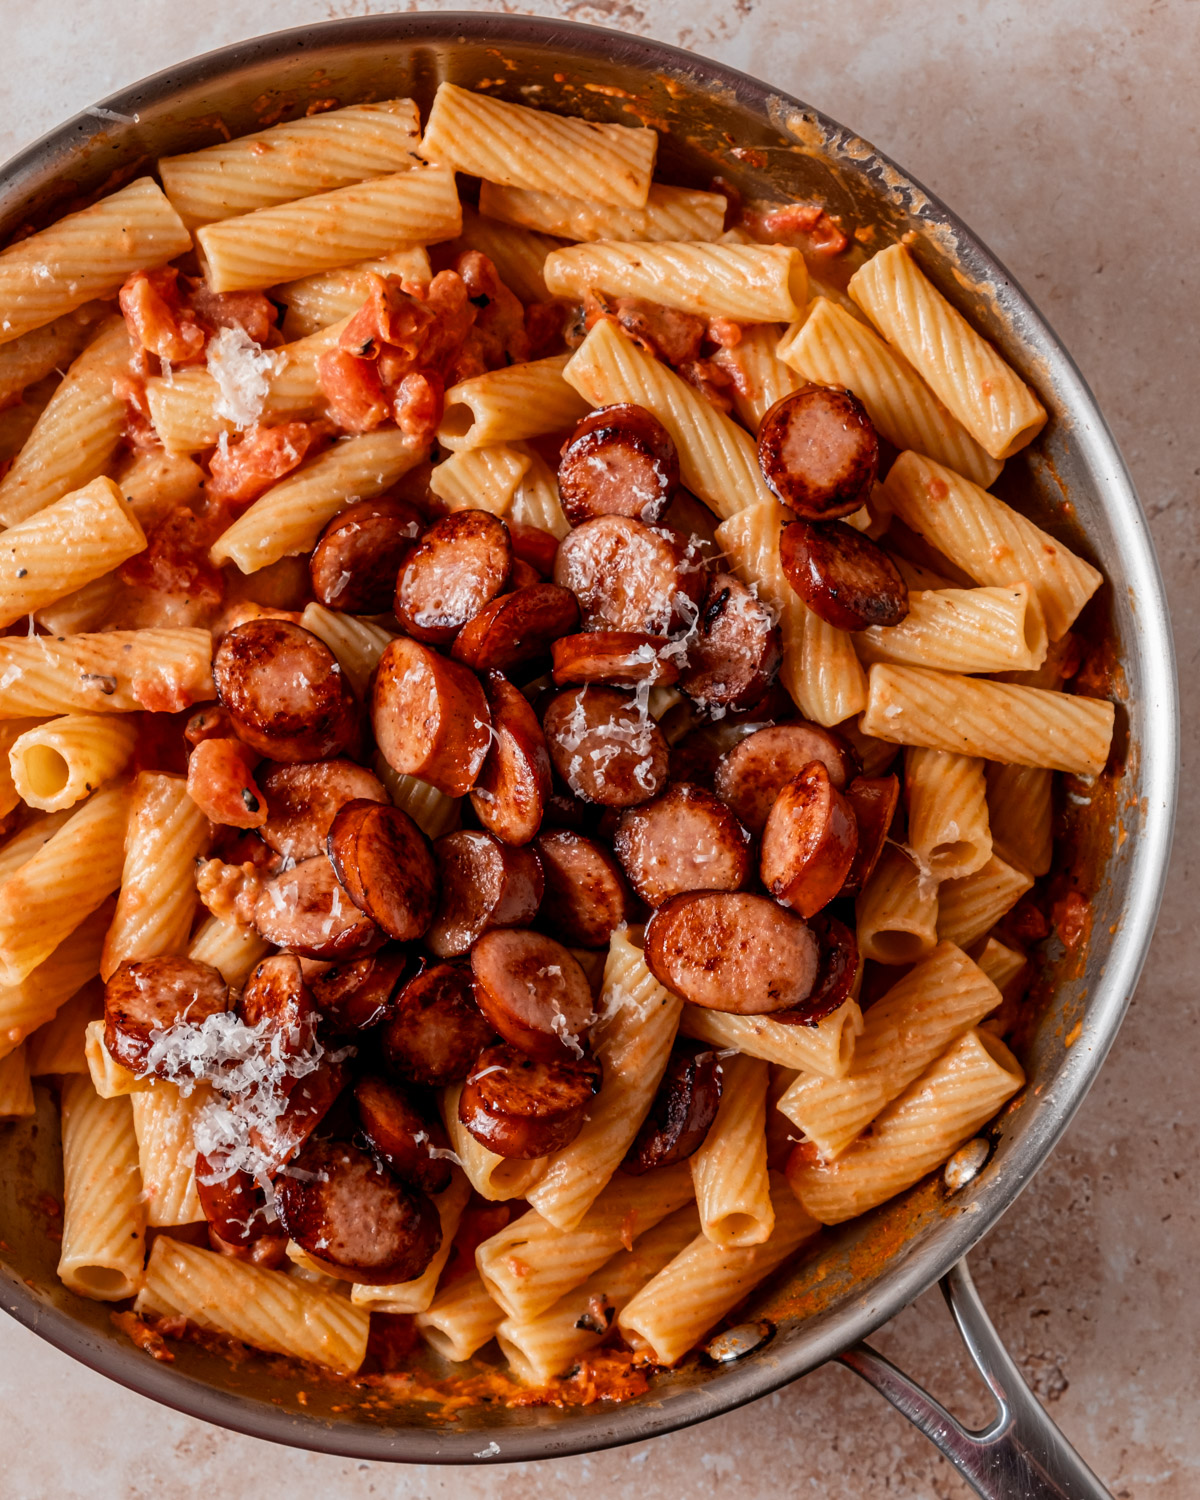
x: 966, y: 1164
x: 735, y: 1343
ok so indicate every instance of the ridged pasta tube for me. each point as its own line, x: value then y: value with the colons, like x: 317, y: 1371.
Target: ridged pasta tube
x: 996, y: 720
x: 760, y: 377
x: 104, y: 1218
x: 461, y: 1318
x: 521, y: 147
x: 164, y: 1123
x: 826, y: 1049
x: 232, y: 948
x: 314, y: 302
x: 496, y: 1178
x: 968, y: 907
x: 963, y: 630
x: 350, y: 224
x: 749, y: 283
x: 955, y: 1095
x: 517, y: 254
x: 1020, y: 803
x: 948, y: 830
x: 16, y: 1086
x: 86, y: 255
x: 958, y: 364
x: 992, y: 543
x: 484, y: 478
x: 314, y: 154
x: 506, y: 405
x: 670, y: 213
x: 903, y: 1032
x: 113, y: 672
x: 357, y: 644
x: 26, y: 1006
x: 291, y: 516
x: 896, y: 911
x: 58, y: 1045
x: 638, y: 1019
x: 41, y: 352
x: 830, y: 347
x: 61, y: 761
x: 729, y: 1171
x: 167, y: 833
x: 265, y: 1309
x: 74, y: 438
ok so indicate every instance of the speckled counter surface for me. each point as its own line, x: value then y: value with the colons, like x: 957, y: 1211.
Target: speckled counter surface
x: 1068, y: 136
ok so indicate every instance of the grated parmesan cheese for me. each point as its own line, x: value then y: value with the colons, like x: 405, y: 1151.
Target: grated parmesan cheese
x: 241, y: 369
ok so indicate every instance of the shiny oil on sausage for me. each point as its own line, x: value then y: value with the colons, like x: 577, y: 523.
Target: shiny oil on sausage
x: 303, y: 799
x: 509, y: 796
x: 681, y: 1112
x: 819, y: 452
x: 284, y: 690
x: 619, y: 461
x: 735, y: 650
x: 533, y: 992
x: 586, y: 896
x: 435, y: 1030
x: 809, y: 842
x: 483, y: 884
x: 837, y: 970
x: 732, y: 951
x: 430, y: 717
x: 401, y: 1136
x: 873, y: 800
x: 385, y: 865
x: 356, y: 995
x: 307, y: 911
x: 517, y: 628
x: 605, y: 750
x: 152, y: 995
x: 523, y: 1107
x: 842, y: 575
x: 685, y: 840
x: 355, y: 564
x: 621, y: 658
x: 751, y: 774
x: 459, y: 566
x: 277, y: 999
x: 629, y: 576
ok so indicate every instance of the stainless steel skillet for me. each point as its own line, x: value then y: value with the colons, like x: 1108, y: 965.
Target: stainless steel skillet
x: 714, y: 120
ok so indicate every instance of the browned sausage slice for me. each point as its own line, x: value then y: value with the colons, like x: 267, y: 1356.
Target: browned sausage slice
x: 534, y: 546
x: 153, y: 995
x: 308, y: 1102
x: 836, y: 971
x: 620, y: 657
x: 809, y: 842
x: 682, y: 1111
x: 732, y: 951
x: 306, y: 911
x: 436, y: 1030
x: 628, y: 576
x: 517, y: 628
x: 484, y: 884
x: 523, y: 576
x: 354, y: 996
x: 303, y: 799
x: 430, y: 717
x: 510, y: 795
x: 284, y: 690
x: 233, y: 1204
x: 533, y: 992
x: 522, y: 1107
x: 277, y: 999
x: 460, y: 565
x: 619, y: 461
x: 385, y: 864
x: 603, y: 748
x: 586, y: 896
x: 842, y: 575
x: 736, y: 649
x: 355, y: 1222
x: 268, y: 1252
x: 751, y: 775
x: 399, y: 1134
x: 685, y: 840
x: 873, y: 800
x: 819, y: 452
x: 355, y: 564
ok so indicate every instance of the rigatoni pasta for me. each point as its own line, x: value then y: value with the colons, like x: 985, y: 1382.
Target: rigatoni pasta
x: 669, y: 213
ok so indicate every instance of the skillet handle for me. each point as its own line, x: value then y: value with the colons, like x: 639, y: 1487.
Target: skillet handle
x: 1021, y: 1454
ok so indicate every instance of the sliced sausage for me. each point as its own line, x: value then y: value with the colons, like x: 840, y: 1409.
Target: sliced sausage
x: 483, y: 884
x: 628, y: 576
x: 268, y: 1252
x: 619, y: 461
x: 751, y: 775
x: 523, y: 1107
x: 510, y: 794
x: 586, y: 897
x: 735, y: 652
x: 873, y: 800
x: 565, y: 810
x: 309, y: 1100
x: 306, y: 911
x: 732, y: 951
x: 837, y: 968
x: 436, y: 1030
x: 522, y: 575
x: 809, y: 842
x: 284, y: 690
x: 533, y: 992
x: 277, y: 999
x: 604, y: 748
x: 818, y: 451
x: 534, y: 546
x: 303, y: 799
x: 354, y: 996
x: 153, y: 995
x: 842, y: 575
x: 685, y: 840
x: 517, y: 628
x: 353, y: 1220
x: 682, y: 1110
x: 355, y: 565
x: 621, y: 657
x: 696, y: 755
x: 385, y: 864
x: 398, y: 1133
x: 234, y: 1205
x: 459, y: 566
x: 430, y: 717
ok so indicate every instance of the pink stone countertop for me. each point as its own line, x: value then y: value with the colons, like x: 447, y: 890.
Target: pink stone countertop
x: 1068, y: 137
